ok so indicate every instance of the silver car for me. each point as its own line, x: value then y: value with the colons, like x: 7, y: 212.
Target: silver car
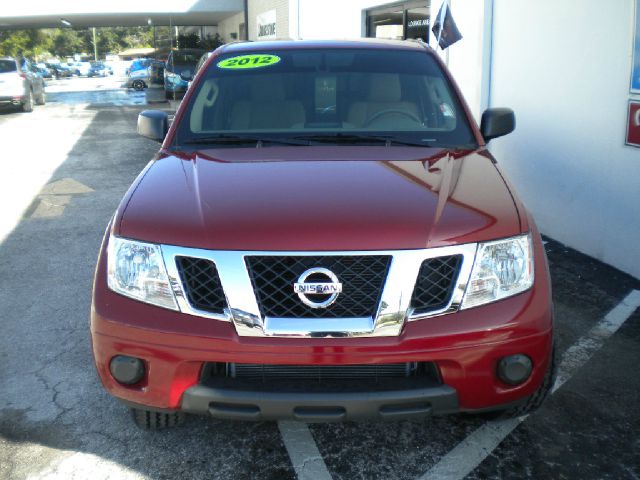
x: 138, y: 80
x: 20, y: 84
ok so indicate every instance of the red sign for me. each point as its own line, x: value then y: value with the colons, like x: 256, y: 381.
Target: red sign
x: 633, y: 124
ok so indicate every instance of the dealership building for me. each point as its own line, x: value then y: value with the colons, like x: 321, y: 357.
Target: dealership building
x: 565, y: 68
x: 569, y: 69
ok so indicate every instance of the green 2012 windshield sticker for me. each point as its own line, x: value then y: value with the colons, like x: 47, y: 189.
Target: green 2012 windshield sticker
x: 249, y: 61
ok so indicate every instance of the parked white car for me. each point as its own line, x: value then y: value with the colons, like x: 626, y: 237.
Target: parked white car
x: 80, y: 68
x: 20, y: 84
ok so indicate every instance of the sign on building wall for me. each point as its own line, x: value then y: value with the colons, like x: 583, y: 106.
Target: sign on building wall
x: 635, y: 67
x: 266, y: 25
x: 633, y: 113
x: 633, y: 124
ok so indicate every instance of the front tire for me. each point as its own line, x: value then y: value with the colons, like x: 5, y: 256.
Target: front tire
x: 138, y: 85
x: 150, y: 420
x: 27, y: 105
x: 42, y: 98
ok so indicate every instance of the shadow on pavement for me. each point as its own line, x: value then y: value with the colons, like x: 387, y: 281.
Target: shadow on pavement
x: 56, y: 419
x: 51, y: 401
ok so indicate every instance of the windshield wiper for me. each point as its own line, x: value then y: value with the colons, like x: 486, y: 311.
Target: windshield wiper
x: 388, y: 140
x: 227, y: 139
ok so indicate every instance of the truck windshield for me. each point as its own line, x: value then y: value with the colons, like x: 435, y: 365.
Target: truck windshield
x: 186, y: 58
x: 326, y: 96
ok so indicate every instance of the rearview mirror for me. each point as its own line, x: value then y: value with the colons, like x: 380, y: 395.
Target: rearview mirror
x: 153, y: 124
x: 497, y: 122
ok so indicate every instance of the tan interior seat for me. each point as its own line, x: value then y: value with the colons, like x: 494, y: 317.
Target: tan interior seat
x: 385, y: 93
x: 267, y: 107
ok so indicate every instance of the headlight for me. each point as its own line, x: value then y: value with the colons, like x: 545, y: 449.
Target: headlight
x: 501, y: 269
x: 136, y: 270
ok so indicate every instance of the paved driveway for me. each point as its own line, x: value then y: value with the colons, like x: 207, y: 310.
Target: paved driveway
x: 64, y: 168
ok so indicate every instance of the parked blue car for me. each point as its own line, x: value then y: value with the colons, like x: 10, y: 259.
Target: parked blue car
x: 138, y: 64
x: 181, y: 66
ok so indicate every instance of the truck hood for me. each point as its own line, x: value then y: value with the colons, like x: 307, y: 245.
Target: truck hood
x: 319, y: 198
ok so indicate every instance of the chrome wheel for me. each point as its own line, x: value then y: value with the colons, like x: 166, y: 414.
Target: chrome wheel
x: 138, y: 85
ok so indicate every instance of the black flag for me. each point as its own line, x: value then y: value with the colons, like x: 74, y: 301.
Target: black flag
x: 449, y: 34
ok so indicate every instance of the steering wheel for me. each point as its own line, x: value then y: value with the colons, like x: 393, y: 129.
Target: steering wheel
x: 389, y: 111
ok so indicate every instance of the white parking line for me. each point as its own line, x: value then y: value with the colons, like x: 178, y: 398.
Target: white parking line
x: 303, y: 451
x: 469, y: 453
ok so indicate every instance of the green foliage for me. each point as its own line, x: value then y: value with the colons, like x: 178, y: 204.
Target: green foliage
x: 65, y: 42
x: 193, y: 40
x: 212, y: 42
x: 24, y: 43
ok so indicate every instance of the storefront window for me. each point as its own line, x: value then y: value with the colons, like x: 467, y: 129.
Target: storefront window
x: 418, y: 23
x: 388, y: 24
x: 400, y: 21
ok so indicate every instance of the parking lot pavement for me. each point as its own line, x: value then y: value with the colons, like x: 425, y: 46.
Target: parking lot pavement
x: 84, y: 84
x: 95, y: 91
x: 58, y: 193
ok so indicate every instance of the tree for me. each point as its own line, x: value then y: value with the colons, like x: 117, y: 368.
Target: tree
x: 24, y: 43
x: 191, y: 40
x: 108, y: 41
x: 66, y: 42
x: 212, y: 42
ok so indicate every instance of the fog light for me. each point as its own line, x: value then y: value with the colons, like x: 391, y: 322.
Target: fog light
x: 126, y: 370
x: 514, y: 369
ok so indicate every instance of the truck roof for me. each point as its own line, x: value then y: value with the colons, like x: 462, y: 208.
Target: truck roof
x: 284, y: 44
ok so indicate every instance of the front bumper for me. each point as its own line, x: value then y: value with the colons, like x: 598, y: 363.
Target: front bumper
x: 172, y: 379
x: 318, y: 407
x: 16, y: 99
x: 175, y: 85
x: 465, y: 346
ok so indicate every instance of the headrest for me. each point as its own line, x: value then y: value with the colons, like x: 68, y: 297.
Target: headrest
x: 385, y: 87
x: 267, y: 89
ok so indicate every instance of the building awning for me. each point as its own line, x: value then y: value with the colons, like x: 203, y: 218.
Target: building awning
x: 114, y: 13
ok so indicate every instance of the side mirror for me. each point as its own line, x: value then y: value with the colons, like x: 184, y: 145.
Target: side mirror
x: 497, y: 122
x: 186, y: 75
x: 153, y: 124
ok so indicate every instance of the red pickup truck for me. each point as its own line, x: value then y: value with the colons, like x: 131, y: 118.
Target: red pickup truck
x: 322, y: 236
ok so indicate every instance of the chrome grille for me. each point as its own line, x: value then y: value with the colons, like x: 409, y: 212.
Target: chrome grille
x: 394, y: 303
x: 362, y: 278
x: 434, y: 285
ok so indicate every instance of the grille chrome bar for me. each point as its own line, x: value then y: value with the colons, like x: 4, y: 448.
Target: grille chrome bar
x: 392, y: 311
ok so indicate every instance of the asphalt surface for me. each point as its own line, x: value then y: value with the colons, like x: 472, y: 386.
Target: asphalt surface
x: 65, y: 168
